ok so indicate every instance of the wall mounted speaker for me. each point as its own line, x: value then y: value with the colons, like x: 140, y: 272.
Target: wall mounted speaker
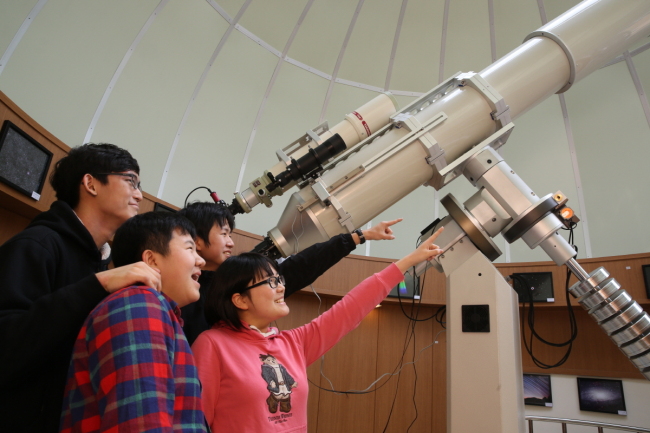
x: 476, y: 318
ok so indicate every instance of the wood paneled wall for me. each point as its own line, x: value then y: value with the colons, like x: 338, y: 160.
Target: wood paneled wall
x: 386, y: 342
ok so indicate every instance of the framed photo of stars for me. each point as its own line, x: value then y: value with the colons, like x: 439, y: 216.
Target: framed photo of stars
x: 537, y: 390
x: 601, y: 395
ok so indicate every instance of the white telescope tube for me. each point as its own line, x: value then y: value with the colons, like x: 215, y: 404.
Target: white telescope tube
x: 356, y: 127
x: 554, y: 57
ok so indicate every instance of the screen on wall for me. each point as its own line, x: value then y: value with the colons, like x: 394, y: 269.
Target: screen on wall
x: 601, y: 395
x: 535, y: 286
x: 537, y: 390
x: 646, y: 278
x: 409, y: 288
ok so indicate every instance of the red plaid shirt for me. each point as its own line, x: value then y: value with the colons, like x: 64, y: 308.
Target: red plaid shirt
x: 132, y: 369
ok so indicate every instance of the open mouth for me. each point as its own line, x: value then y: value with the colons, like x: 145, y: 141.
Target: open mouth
x: 280, y: 301
x: 195, y: 277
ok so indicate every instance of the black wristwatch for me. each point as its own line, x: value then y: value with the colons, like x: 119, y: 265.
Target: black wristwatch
x: 362, y: 238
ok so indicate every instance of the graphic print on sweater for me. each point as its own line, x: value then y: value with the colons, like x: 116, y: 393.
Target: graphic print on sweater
x: 279, y: 383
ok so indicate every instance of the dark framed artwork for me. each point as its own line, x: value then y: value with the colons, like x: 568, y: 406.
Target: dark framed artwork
x: 537, y: 390
x: 23, y: 161
x: 601, y: 395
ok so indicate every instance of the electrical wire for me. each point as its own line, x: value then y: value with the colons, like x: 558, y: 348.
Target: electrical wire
x: 198, y: 187
x: 534, y: 335
x: 410, y: 336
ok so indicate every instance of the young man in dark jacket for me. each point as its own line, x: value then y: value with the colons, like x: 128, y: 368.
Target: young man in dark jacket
x: 214, y: 225
x: 54, y: 273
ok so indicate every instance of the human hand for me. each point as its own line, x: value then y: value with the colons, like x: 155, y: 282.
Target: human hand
x: 381, y: 231
x: 426, y: 251
x: 124, y: 276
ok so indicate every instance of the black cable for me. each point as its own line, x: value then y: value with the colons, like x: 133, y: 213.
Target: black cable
x: 397, y: 367
x: 415, y: 383
x: 410, y: 336
x: 198, y: 187
x: 440, y: 316
x: 531, y: 319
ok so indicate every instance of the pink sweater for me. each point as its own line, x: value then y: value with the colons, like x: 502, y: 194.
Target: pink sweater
x: 253, y: 383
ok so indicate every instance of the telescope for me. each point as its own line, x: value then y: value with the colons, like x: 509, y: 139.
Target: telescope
x: 348, y: 175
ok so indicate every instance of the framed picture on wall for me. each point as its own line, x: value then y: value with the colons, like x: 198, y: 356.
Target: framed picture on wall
x: 601, y: 395
x: 23, y: 161
x: 537, y: 390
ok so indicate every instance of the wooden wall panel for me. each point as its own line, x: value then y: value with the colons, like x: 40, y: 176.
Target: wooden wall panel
x: 245, y: 241
x: 434, y: 287
x: 348, y: 273
x: 351, y: 364
x: 405, y: 398
x: 12, y: 223
x: 625, y: 269
x: 593, y: 353
x: 439, y: 384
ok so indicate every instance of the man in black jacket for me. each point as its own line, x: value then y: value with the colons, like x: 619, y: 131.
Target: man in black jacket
x: 53, y: 274
x: 214, y: 225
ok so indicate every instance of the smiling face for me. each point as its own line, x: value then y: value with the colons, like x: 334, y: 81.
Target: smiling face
x: 261, y: 305
x: 180, y: 269
x: 118, y: 199
x: 220, y: 248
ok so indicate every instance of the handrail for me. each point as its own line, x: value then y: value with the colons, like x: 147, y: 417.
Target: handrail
x: 599, y: 425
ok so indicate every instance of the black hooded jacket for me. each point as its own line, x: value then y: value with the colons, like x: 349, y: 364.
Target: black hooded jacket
x: 47, y: 288
x: 299, y: 270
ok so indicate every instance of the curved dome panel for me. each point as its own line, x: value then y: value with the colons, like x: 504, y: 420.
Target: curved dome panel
x: 203, y: 92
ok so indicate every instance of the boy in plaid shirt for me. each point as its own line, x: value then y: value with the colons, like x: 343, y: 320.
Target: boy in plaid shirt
x: 132, y: 368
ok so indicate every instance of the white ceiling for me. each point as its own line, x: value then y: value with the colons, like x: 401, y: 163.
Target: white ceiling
x: 203, y: 92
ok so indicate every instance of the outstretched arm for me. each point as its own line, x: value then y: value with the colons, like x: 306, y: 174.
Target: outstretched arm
x: 323, y: 332
x: 381, y: 231
x: 426, y: 251
x: 303, y: 268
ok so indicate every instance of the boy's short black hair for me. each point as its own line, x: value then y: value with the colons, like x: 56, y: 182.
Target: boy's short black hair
x: 147, y: 231
x: 89, y: 158
x: 234, y: 276
x: 205, y: 215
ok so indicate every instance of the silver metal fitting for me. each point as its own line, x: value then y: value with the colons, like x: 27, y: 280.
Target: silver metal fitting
x: 618, y: 315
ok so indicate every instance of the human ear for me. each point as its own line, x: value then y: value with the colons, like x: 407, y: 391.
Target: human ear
x: 88, y: 184
x: 240, y: 301
x: 150, y: 258
x: 200, y: 244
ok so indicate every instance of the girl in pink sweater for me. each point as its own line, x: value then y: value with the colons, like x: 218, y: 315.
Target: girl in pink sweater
x: 254, y: 377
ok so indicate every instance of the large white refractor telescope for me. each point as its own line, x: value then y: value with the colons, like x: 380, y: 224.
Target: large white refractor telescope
x: 352, y: 172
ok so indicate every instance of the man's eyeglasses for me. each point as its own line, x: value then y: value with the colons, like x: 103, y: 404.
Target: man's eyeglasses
x: 131, y: 178
x: 273, y: 282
